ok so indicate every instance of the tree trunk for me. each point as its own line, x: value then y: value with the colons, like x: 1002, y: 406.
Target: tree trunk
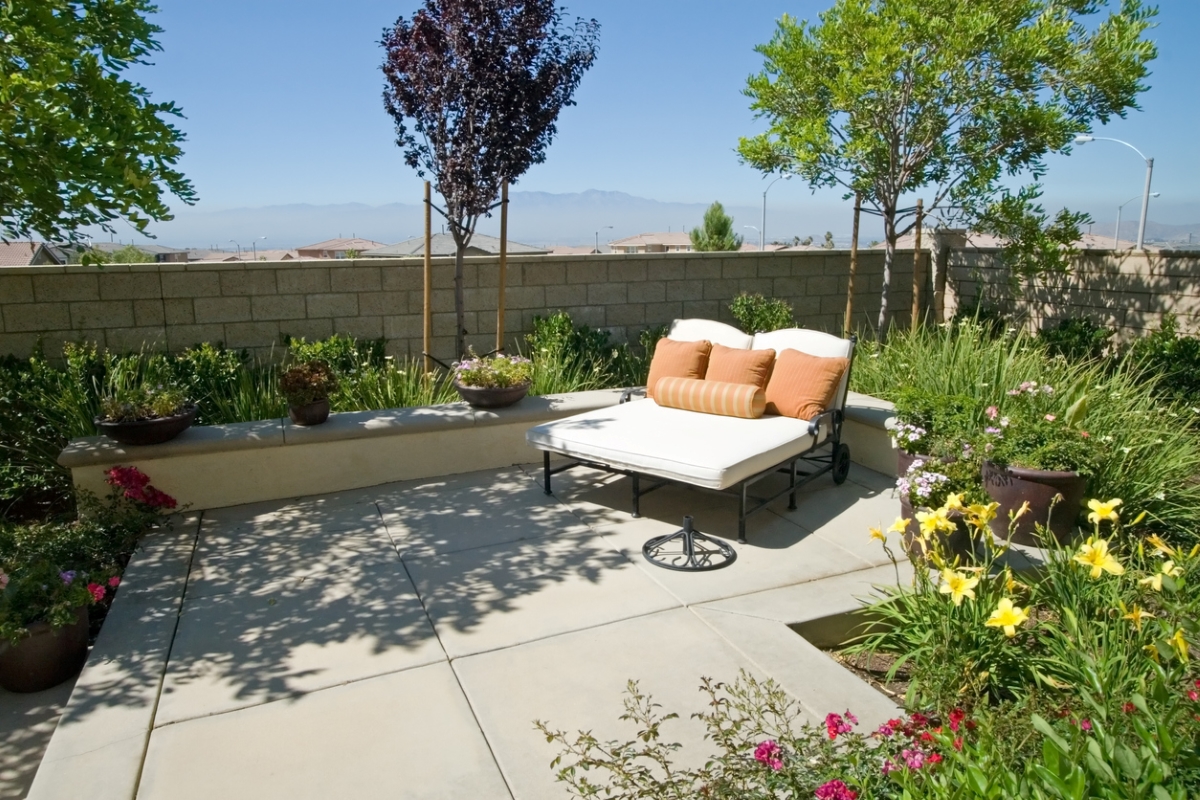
x: 460, y: 345
x: 889, y: 258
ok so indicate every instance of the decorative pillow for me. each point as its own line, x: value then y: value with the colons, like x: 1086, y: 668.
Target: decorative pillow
x: 802, y: 386
x: 730, y: 365
x: 711, y: 397
x: 673, y: 359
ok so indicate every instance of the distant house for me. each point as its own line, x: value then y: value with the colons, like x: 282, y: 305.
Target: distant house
x: 571, y: 250
x: 162, y: 255
x: 747, y: 247
x: 679, y: 242
x: 337, y: 248
x: 442, y: 244
x: 28, y: 254
x: 244, y: 255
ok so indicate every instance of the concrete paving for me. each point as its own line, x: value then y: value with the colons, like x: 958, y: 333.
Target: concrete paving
x: 401, y: 641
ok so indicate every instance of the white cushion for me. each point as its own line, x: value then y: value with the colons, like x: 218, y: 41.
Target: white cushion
x: 695, y: 330
x: 815, y: 343
x: 701, y: 449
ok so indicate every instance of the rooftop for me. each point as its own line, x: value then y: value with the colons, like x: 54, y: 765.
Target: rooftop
x: 442, y: 244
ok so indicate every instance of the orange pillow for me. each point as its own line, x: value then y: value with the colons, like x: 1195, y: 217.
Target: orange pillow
x: 802, y: 386
x: 674, y: 359
x: 729, y: 365
x: 711, y: 397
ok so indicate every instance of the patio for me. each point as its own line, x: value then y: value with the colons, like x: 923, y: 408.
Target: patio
x: 399, y: 641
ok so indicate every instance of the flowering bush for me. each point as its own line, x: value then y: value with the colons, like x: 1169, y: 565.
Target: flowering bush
x: 931, y: 423
x: 308, y: 382
x: 496, y: 372
x: 142, y: 403
x: 928, y: 483
x: 1028, y: 430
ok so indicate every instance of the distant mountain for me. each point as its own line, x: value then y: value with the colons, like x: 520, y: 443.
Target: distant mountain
x: 537, y: 218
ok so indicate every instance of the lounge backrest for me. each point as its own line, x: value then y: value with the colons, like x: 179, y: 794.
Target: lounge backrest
x: 695, y: 330
x: 815, y: 343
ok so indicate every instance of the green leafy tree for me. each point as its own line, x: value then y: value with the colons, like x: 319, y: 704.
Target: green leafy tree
x: 80, y: 144
x: 828, y: 243
x: 717, y: 232
x: 885, y: 97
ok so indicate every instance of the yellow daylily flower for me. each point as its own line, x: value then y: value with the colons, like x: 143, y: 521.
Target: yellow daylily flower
x: 1160, y: 547
x: 1020, y: 512
x: 1103, y: 511
x: 1151, y: 651
x: 1007, y: 616
x: 899, y: 526
x: 1180, y: 644
x: 1094, y: 554
x: 878, y: 534
x: 1136, y: 616
x: 981, y: 515
x: 954, y: 502
x: 934, y: 521
x: 1168, y: 569
x: 958, y: 585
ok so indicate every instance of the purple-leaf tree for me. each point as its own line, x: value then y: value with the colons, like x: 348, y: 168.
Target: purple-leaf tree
x: 475, y: 88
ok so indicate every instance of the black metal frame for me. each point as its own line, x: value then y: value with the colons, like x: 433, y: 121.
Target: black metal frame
x: 836, y: 460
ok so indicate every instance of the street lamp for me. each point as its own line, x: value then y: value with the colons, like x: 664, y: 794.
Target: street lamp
x: 239, y: 249
x: 255, y: 244
x: 1084, y: 138
x: 762, y: 233
x: 756, y: 230
x: 605, y: 228
x: 1117, y: 233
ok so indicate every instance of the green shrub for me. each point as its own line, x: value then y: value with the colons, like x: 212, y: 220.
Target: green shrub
x: 493, y: 372
x: 344, y: 353
x: 756, y: 314
x: 1077, y: 339
x: 570, y: 358
x: 1171, y: 361
x: 142, y: 403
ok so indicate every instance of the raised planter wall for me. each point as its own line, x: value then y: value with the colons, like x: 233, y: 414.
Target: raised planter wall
x: 227, y: 465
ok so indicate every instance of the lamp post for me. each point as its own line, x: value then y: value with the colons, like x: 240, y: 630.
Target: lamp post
x: 239, y: 249
x: 756, y: 230
x: 1120, y: 208
x: 605, y: 228
x: 255, y: 245
x: 762, y: 232
x: 1084, y: 138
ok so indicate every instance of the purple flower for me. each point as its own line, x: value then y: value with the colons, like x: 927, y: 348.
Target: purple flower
x: 770, y: 754
x: 835, y: 790
x: 67, y: 576
x: 992, y: 431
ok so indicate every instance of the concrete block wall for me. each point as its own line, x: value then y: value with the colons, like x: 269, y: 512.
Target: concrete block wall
x: 1123, y: 290
x: 252, y: 305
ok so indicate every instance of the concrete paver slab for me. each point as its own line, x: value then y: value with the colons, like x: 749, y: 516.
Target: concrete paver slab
x: 405, y: 736
x: 490, y: 597
x: 160, y: 566
x: 26, y: 724
x: 245, y: 648
x: 576, y: 682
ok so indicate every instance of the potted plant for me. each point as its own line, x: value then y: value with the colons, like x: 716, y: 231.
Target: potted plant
x: 493, y: 382
x: 933, y: 495
x: 145, y: 415
x: 307, y: 387
x: 44, y: 623
x: 1037, y: 455
x: 930, y: 425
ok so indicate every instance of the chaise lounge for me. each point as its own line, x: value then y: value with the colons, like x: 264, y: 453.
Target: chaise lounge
x: 642, y: 438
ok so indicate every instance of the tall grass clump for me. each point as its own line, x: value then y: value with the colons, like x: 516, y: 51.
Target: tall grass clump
x: 570, y: 358
x: 1148, y: 443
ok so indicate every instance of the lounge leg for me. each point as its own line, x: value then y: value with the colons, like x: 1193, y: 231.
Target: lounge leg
x: 546, y: 471
x: 637, y: 496
x: 792, y: 497
x: 742, y: 516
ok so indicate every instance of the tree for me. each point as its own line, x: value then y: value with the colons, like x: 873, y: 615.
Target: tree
x: 828, y: 243
x: 79, y: 143
x: 884, y: 97
x: 717, y: 232
x: 475, y: 88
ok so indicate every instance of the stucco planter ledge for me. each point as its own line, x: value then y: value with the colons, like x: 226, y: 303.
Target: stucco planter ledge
x: 869, y: 421
x: 226, y: 465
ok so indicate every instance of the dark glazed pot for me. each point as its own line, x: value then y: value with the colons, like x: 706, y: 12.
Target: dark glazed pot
x: 480, y: 397
x: 904, y: 460
x: 313, y: 413
x: 46, y: 657
x: 960, y: 543
x: 1043, y: 490
x: 148, y: 431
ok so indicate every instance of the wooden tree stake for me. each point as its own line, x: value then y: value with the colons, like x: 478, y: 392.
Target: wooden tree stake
x: 848, y: 323
x: 503, y: 265
x: 428, y: 279
x: 916, y: 304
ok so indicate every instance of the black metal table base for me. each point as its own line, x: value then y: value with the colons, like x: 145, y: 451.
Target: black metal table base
x: 688, y: 550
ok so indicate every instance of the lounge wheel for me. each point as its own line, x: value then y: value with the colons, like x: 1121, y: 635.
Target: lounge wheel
x: 841, y: 463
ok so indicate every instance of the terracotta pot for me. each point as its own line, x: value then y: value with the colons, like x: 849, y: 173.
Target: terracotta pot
x: 313, y: 413
x: 148, y: 431
x: 960, y: 542
x: 904, y: 460
x: 1043, y: 490
x: 46, y: 656
x: 480, y: 397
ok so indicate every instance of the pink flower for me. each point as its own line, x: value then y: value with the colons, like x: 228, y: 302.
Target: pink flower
x: 1050, y: 418
x: 770, y: 754
x: 1085, y: 725
x: 835, y: 724
x: 835, y: 790
x: 114, y: 582
x: 97, y: 591
x: 889, y: 728
x: 1085, y: 434
x: 915, y: 759
x: 992, y: 412
x: 3, y: 580
x: 889, y: 766
x: 1193, y: 695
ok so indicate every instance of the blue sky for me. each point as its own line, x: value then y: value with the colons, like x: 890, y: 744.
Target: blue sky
x: 283, y: 106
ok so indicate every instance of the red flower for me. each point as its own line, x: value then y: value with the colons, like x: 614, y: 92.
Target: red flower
x: 958, y: 743
x: 1129, y: 708
x: 97, y: 591
x: 1193, y: 695
x: 114, y: 582
x: 835, y: 724
x: 956, y: 717
x: 934, y: 758
x: 835, y: 790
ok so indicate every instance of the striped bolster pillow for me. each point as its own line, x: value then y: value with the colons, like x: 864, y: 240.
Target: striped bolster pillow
x: 711, y: 397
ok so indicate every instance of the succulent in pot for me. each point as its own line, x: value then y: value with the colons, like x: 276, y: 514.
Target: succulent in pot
x: 143, y: 415
x: 493, y: 381
x: 307, y: 387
